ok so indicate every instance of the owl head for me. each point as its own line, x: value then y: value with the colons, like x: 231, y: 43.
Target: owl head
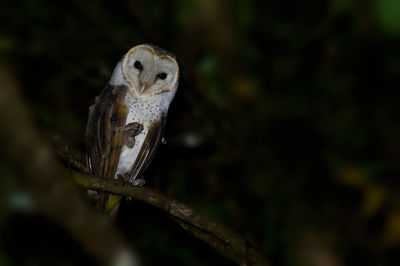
x: 150, y: 70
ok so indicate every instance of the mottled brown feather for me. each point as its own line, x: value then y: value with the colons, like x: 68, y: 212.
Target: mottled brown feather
x: 148, y: 149
x: 105, y: 133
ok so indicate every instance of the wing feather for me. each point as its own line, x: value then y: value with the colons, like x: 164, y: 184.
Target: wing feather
x: 148, y: 149
x: 105, y: 133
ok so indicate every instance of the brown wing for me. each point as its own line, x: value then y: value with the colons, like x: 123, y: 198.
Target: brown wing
x: 148, y: 149
x: 105, y: 133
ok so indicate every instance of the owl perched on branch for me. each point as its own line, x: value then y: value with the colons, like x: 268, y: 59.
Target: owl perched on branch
x: 126, y: 121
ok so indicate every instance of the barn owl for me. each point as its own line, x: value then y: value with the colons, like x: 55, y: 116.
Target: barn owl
x: 126, y: 122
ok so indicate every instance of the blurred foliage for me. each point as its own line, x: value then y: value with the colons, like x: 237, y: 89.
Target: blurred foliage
x: 284, y: 125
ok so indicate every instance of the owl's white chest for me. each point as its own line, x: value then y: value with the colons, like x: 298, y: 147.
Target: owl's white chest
x: 145, y: 113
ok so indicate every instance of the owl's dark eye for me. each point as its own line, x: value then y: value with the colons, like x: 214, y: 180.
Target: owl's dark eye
x: 162, y: 75
x: 138, y: 65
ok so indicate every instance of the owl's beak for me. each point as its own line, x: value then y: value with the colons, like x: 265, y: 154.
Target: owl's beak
x: 142, y: 88
x: 145, y: 81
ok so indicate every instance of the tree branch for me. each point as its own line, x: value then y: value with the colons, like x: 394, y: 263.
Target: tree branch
x: 218, y: 236
x: 72, y: 157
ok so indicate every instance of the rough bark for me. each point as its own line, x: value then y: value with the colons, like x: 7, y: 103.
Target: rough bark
x: 216, y: 235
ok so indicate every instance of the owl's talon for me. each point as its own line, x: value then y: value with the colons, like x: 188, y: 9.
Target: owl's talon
x: 126, y: 179
x: 120, y: 177
x: 138, y: 182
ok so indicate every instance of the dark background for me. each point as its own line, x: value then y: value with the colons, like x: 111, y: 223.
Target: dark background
x: 285, y: 124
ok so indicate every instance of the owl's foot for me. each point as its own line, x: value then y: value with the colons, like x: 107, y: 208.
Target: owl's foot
x: 124, y: 178
x: 138, y: 182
